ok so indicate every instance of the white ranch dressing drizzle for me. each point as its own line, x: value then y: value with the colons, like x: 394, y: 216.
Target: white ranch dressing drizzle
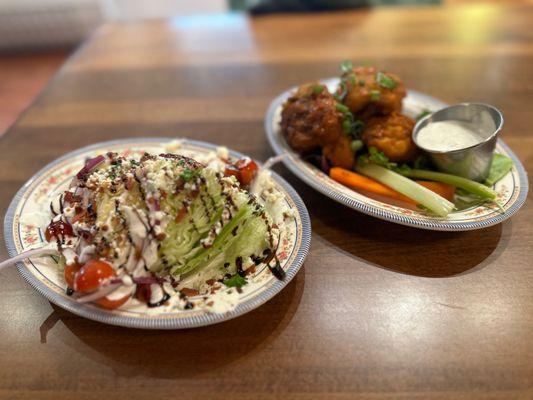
x: 448, y: 136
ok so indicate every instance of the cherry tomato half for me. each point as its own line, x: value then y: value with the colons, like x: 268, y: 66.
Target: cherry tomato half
x: 248, y: 169
x: 244, y: 170
x: 58, y: 229
x: 231, y: 170
x: 91, y: 276
x: 108, y: 304
x: 69, y: 273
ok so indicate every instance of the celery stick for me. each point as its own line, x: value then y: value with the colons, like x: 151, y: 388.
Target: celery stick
x: 466, y: 184
x: 407, y: 187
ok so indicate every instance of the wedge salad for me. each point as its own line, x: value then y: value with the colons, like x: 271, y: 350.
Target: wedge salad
x: 166, y: 230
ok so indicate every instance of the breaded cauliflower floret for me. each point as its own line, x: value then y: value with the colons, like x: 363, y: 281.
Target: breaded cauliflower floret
x: 391, y: 134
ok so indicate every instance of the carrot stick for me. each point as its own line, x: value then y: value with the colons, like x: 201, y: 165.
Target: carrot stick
x: 442, y: 189
x: 356, y: 181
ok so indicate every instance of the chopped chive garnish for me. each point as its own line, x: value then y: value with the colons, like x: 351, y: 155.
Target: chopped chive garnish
x: 347, y: 126
x: 356, y: 145
x: 375, y: 95
x: 352, y: 127
x: 188, y: 174
x: 235, y: 281
x: 357, y: 128
x: 346, y: 66
x: 353, y: 79
x: 386, y: 81
x: 423, y: 114
x: 318, y: 89
x: 341, y: 91
x: 342, y: 108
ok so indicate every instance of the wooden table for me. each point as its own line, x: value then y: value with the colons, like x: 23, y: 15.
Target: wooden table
x: 378, y: 310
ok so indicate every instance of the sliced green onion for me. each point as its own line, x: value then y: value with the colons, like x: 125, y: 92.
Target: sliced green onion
x: 346, y: 66
x: 339, y: 96
x: 379, y: 158
x: 432, y: 201
x: 422, y: 114
x: 347, y: 126
x: 356, y: 145
x: 357, y: 128
x: 375, y: 95
x: 475, y: 188
x: 235, y: 281
x: 318, y: 89
x: 342, y: 108
x: 386, y: 81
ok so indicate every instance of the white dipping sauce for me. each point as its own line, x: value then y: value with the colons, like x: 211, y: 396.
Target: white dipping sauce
x: 448, y: 135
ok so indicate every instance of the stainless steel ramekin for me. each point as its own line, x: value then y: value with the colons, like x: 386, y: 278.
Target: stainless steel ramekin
x: 472, y: 162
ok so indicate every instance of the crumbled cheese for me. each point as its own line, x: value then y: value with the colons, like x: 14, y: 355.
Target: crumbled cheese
x: 126, y: 280
x: 222, y: 152
x: 222, y: 301
x: 174, y: 145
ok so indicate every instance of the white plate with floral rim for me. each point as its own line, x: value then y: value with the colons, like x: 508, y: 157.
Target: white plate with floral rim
x: 23, y: 233
x: 511, y: 190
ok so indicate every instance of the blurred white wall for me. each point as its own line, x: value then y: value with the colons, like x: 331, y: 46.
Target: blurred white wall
x: 37, y: 24
x: 142, y: 9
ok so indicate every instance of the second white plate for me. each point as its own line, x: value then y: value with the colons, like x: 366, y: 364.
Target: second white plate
x: 512, y: 189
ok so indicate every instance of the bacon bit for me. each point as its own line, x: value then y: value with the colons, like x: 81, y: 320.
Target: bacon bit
x: 250, y: 270
x: 71, y: 198
x: 210, y: 282
x: 105, y: 252
x: 78, y: 217
x: 181, y: 214
x: 143, y: 292
x: 210, y: 304
x: 161, y: 236
x: 129, y: 183
x: 86, y: 235
x: 189, y: 292
x: 104, y: 228
x: 163, y: 193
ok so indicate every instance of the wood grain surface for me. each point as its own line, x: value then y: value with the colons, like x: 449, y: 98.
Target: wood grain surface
x: 379, y: 311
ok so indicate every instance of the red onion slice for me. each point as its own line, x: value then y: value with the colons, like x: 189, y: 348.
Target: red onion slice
x: 89, y: 166
x: 102, y: 292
